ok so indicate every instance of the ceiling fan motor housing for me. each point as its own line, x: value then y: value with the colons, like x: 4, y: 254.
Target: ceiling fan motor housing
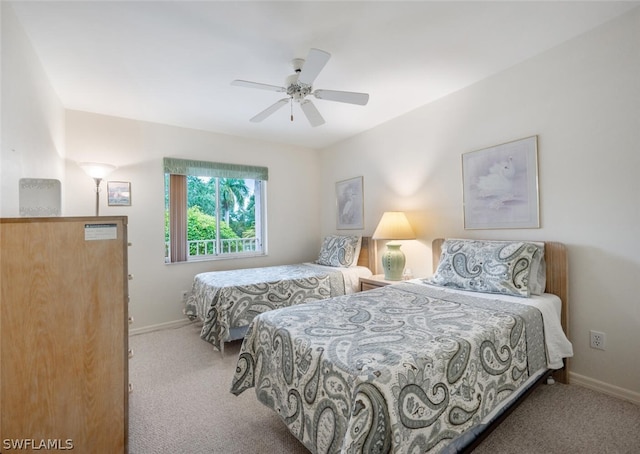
x: 297, y: 64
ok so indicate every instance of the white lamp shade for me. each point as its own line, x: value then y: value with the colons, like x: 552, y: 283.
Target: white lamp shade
x: 97, y: 169
x: 394, y: 225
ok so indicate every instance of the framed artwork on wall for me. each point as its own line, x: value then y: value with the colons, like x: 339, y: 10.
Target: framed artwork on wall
x: 119, y: 193
x: 350, y: 204
x: 500, y: 186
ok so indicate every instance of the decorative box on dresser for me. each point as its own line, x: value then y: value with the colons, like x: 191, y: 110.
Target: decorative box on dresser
x: 64, y: 334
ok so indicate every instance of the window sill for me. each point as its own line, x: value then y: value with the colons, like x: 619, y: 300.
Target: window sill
x: 215, y: 258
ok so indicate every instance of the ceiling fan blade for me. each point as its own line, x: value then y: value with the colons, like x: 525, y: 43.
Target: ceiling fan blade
x: 313, y: 65
x: 311, y: 113
x: 247, y: 84
x: 269, y: 110
x: 342, y: 96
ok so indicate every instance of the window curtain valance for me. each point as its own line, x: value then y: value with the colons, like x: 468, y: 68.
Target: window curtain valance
x: 177, y: 166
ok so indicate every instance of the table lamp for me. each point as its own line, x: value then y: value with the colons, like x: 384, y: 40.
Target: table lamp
x: 393, y: 225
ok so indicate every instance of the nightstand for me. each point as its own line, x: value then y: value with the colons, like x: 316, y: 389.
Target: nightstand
x: 375, y: 281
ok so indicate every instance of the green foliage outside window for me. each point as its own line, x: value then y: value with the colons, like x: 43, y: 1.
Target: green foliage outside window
x: 238, y: 217
x: 201, y: 226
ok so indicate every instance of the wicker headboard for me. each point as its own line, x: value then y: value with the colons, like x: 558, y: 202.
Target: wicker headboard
x: 555, y: 255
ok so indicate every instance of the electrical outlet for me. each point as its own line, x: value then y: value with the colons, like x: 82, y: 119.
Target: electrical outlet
x: 598, y: 339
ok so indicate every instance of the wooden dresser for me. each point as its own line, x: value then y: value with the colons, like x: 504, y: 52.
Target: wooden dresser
x: 64, y: 334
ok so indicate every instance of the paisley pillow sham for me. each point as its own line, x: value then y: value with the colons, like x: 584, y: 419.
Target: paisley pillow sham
x: 538, y: 275
x: 488, y: 266
x: 340, y: 250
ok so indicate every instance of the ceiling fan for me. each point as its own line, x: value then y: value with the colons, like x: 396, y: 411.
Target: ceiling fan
x: 300, y: 85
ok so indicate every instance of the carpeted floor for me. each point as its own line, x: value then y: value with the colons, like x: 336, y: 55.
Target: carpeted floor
x: 181, y: 403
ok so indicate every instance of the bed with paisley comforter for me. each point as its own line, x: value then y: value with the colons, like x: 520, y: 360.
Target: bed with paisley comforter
x: 419, y: 366
x: 227, y: 301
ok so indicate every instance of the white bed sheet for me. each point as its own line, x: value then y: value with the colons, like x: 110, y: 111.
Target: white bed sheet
x: 550, y: 305
x: 351, y: 275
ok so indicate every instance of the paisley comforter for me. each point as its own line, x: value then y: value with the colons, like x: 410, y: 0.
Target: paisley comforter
x: 228, y: 300
x: 404, y: 368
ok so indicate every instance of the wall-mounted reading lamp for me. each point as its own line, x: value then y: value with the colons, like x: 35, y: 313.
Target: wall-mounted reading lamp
x: 97, y: 171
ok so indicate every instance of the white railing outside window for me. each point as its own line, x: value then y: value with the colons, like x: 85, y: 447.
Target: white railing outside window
x: 205, y: 248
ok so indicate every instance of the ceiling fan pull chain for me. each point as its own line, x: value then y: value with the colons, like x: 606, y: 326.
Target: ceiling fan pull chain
x: 291, y: 103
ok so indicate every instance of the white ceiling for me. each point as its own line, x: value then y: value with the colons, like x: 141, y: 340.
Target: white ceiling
x: 172, y: 62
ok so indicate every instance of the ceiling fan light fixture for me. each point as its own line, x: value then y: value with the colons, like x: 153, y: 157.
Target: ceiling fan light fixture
x: 298, y: 91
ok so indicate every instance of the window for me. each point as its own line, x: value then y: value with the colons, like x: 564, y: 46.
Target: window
x: 213, y: 210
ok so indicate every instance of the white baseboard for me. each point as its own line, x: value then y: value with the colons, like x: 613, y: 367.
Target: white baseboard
x: 147, y: 329
x: 605, y: 388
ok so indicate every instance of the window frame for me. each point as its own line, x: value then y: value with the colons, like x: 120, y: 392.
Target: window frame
x: 176, y: 172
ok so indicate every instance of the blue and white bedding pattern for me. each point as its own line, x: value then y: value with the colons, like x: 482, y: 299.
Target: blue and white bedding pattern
x: 226, y: 300
x: 404, y: 368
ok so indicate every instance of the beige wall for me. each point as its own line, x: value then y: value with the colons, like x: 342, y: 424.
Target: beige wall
x: 32, y: 117
x: 582, y: 100
x: 137, y: 148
